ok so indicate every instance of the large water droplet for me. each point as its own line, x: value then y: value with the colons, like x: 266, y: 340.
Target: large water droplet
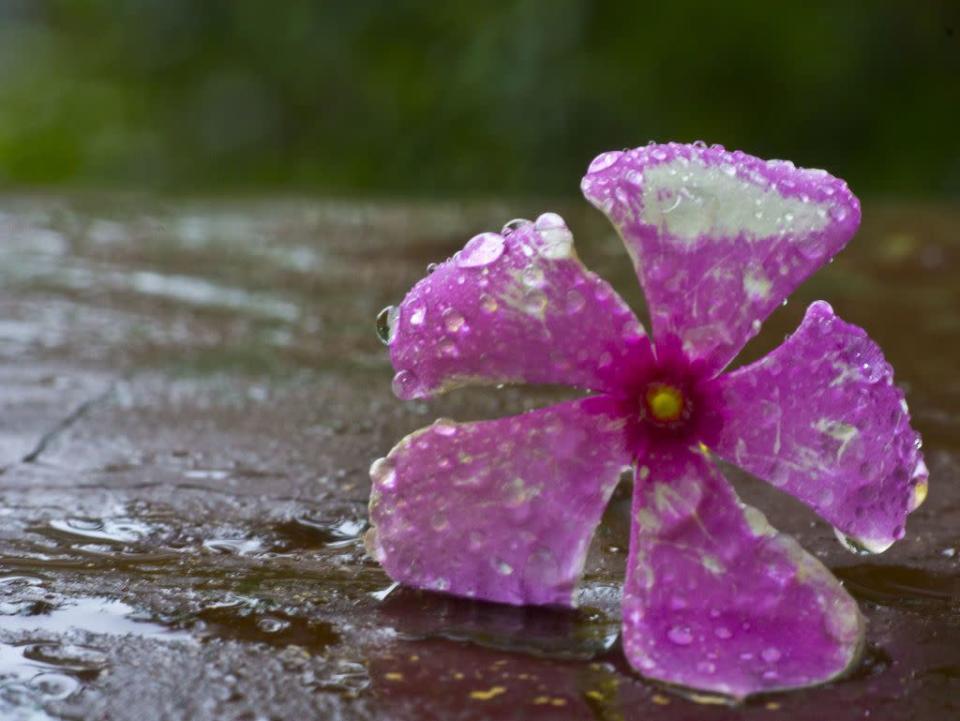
x: 857, y: 546
x: 387, y: 322
x: 512, y: 225
x: 549, y: 221
x: 405, y: 385
x: 604, y: 161
x: 481, y: 250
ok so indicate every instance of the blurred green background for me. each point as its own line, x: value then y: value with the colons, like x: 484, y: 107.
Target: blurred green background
x: 468, y: 98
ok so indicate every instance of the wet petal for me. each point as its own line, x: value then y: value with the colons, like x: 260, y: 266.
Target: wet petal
x: 498, y: 510
x: 718, y: 600
x: 510, y: 309
x: 821, y: 418
x: 719, y: 239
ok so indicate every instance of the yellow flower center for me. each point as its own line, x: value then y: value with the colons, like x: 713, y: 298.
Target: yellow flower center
x: 665, y: 402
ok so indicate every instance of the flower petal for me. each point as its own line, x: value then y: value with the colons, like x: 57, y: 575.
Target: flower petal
x: 511, y: 308
x: 499, y: 510
x: 820, y: 418
x: 717, y: 600
x: 719, y: 239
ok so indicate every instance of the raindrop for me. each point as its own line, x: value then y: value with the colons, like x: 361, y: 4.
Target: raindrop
x: 852, y: 544
x: 535, y: 302
x: 405, y: 385
x: 575, y: 301
x: 481, y: 250
x: 722, y: 632
x: 418, y: 315
x: 557, y: 243
x: 601, y: 290
x: 503, y: 568
x: 632, y: 330
x: 770, y: 655
x: 432, y: 267
x: 448, y: 348
x: 512, y: 225
x: 680, y: 635
x: 838, y: 213
x: 387, y: 324
x: 550, y: 221
x: 383, y: 474
x: 439, y: 521
x: 532, y: 277
x: 488, y: 303
x: 445, y: 427
x: 453, y: 321
x: 604, y: 161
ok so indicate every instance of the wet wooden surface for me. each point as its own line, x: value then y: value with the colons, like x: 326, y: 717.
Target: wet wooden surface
x: 191, y: 394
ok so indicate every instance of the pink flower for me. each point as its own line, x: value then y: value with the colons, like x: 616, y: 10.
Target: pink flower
x: 504, y: 510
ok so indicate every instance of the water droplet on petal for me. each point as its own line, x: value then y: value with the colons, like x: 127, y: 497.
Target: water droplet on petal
x: 770, y: 655
x: 512, y: 225
x: 439, y: 521
x: 448, y: 348
x: 557, y: 243
x: 549, y: 221
x: 383, y: 474
x: 838, y: 213
x: 532, y: 277
x: 722, y: 632
x: 445, y: 427
x: 575, y: 301
x: 604, y: 161
x: 503, y: 568
x: 680, y: 635
x: 453, y: 321
x: 481, y: 250
x: 432, y: 267
x: 535, y: 302
x: 441, y: 584
x: 418, y: 315
x: 387, y: 322
x: 488, y: 303
x: 405, y: 384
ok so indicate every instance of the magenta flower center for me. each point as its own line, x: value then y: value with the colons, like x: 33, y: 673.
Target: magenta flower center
x: 668, y: 401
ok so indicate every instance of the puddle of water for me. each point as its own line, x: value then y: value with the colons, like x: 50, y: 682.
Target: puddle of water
x: 242, y: 620
x: 47, y: 668
x: 94, y: 615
